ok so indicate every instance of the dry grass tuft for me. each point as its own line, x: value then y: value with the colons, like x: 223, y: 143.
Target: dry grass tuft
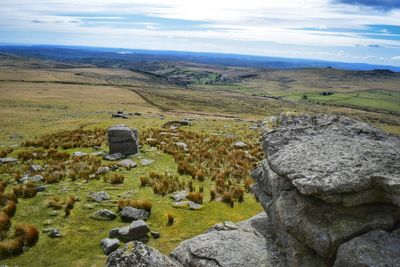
x: 27, y: 233
x: 143, y: 204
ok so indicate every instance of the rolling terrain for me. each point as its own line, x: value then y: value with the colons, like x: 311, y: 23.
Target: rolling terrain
x: 42, y: 96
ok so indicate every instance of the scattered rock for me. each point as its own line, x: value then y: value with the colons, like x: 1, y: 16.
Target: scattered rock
x: 129, y: 214
x: 99, y: 196
x: 139, y: 255
x: 54, y: 233
x: 27, y: 179
x: 127, y: 163
x: 240, y: 144
x: 124, y: 140
x: 182, y: 145
x: 35, y: 168
x: 134, y: 231
x: 179, y: 196
x: 41, y: 188
x: 181, y: 204
x: 155, y: 235
x: 102, y: 170
x: 109, y: 245
x: 104, y: 215
x: 176, y: 124
x: 7, y: 160
x: 145, y: 162
x: 194, y: 206
x: 113, y: 157
x: 79, y: 154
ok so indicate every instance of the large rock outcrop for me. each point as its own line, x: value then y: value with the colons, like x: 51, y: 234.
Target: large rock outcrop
x: 122, y: 139
x: 326, y: 180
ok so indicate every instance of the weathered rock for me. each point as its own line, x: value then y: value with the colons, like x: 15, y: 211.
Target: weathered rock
x: 176, y: 124
x: 155, y: 234
x: 129, y: 214
x: 109, y: 245
x: 139, y: 255
x: 104, y: 215
x: 124, y: 140
x: 79, y: 154
x: 7, y: 160
x: 97, y: 154
x: 41, y: 188
x: 145, y: 162
x: 35, y: 168
x: 194, y: 206
x: 28, y: 179
x: 247, y: 245
x: 182, y: 145
x: 54, y: 233
x: 240, y: 144
x: 376, y: 248
x: 102, y: 170
x: 179, y: 196
x: 98, y: 196
x: 134, y: 231
x: 113, y: 157
x: 127, y: 163
x: 181, y: 204
x: 337, y: 159
x: 325, y: 180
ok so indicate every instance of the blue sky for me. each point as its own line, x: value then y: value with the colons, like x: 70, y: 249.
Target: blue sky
x: 342, y: 30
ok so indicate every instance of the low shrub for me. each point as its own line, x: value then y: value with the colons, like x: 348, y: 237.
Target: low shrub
x: 27, y: 233
x: 196, y: 197
x: 170, y: 219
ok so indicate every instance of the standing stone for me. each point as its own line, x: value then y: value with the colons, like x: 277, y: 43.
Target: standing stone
x: 109, y: 245
x: 124, y: 140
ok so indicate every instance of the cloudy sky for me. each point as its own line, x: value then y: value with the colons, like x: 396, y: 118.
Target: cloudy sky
x: 341, y: 30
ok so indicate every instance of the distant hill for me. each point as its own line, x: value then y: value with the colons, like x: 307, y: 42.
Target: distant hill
x: 109, y: 57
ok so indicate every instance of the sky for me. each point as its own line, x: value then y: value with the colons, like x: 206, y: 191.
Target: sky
x: 366, y: 31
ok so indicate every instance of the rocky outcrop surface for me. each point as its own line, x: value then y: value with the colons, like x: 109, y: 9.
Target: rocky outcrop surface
x: 139, y: 255
x: 248, y: 243
x: 327, y: 180
x: 122, y: 139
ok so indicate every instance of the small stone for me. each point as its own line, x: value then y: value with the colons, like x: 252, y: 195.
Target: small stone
x: 102, y: 170
x: 113, y: 157
x: 109, y: 245
x: 194, y: 206
x: 35, y: 168
x: 54, y: 233
x: 155, y: 235
x: 230, y: 225
x: 145, y: 162
x: 113, y: 233
x: 104, y: 215
x: 127, y: 163
x: 240, y: 144
x: 79, y: 154
x: 97, y: 154
x: 181, y: 204
x: 7, y: 160
x: 99, y: 196
x: 41, y: 188
x: 179, y: 196
x: 27, y: 179
x: 129, y: 214
x: 182, y: 145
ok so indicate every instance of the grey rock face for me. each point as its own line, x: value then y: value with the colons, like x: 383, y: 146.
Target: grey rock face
x: 124, y: 140
x: 337, y: 159
x: 102, y: 170
x: 99, y: 196
x: 240, y: 144
x: 129, y: 214
x: 247, y: 245
x: 145, y: 162
x: 376, y: 248
x: 139, y: 255
x: 7, y: 160
x: 179, y: 196
x: 127, y: 163
x: 326, y: 180
x: 109, y: 245
x: 134, y: 231
x: 79, y: 154
x: 104, y: 215
x: 182, y: 145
